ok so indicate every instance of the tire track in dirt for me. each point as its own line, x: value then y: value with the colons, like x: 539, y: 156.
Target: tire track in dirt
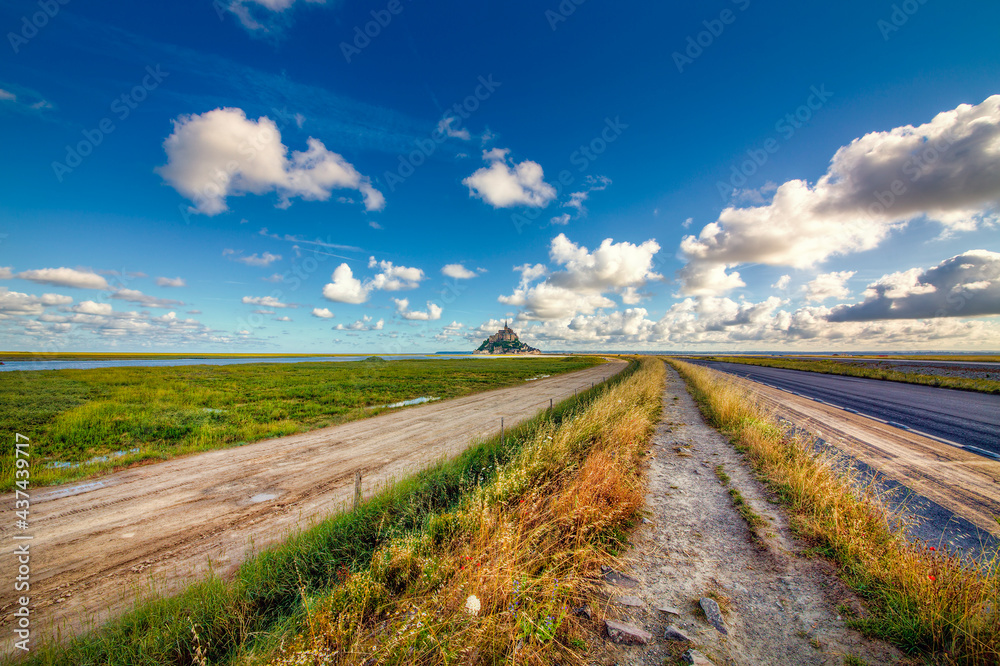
x: 159, y: 527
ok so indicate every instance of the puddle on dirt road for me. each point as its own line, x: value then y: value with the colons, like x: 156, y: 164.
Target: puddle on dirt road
x: 406, y: 403
x: 58, y: 464
x: 263, y: 497
x: 68, y: 492
x: 531, y: 379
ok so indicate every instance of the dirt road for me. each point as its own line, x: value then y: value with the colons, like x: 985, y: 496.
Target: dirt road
x: 965, y: 483
x: 98, y: 544
x: 779, y: 607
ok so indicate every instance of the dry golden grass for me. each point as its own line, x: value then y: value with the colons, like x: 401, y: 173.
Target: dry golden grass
x: 924, y: 600
x: 497, y: 580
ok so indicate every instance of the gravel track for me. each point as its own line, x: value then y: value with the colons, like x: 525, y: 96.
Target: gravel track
x: 779, y: 607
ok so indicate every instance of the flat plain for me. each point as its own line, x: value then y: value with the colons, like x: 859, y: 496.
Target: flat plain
x: 162, y: 526
x: 86, y: 422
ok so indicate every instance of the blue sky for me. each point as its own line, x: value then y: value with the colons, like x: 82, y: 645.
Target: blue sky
x: 308, y: 176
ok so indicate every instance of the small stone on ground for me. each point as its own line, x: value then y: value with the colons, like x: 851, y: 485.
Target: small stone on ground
x: 615, y: 578
x: 635, y: 602
x: 714, y: 615
x: 697, y: 658
x: 674, y: 634
x: 629, y: 634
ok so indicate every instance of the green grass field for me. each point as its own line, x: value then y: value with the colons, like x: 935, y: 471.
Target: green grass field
x: 103, y: 356
x: 75, y: 416
x: 834, y: 367
x: 965, y: 358
x: 363, y: 559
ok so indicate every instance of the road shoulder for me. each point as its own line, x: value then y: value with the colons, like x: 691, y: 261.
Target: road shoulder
x: 960, y: 482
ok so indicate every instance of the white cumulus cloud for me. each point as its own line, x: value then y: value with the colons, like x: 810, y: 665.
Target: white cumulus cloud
x: 363, y: 324
x: 944, y: 170
x: 65, y: 277
x: 722, y: 323
x: 15, y: 303
x: 457, y: 271
x: 504, y: 184
x: 92, y: 308
x: 170, y: 282
x: 965, y: 285
x: 403, y: 307
x: 267, y: 302
x: 136, y: 296
x: 346, y: 288
x: 782, y: 282
x: 262, y: 261
x: 828, y: 285
x: 580, y: 287
x: 394, y: 278
x: 322, y: 313
x: 222, y: 153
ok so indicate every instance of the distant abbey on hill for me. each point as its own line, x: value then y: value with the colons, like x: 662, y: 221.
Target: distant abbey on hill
x: 505, y: 341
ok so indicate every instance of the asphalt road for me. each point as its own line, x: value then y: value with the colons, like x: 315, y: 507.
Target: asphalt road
x: 969, y: 419
x: 899, y: 361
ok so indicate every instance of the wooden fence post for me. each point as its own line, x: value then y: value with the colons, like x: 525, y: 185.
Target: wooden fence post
x: 357, y: 489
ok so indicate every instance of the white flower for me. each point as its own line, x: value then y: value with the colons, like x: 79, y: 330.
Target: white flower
x: 472, y: 604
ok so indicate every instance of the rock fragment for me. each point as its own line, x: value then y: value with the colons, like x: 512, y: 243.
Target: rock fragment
x: 674, y: 634
x: 697, y: 658
x: 628, y: 634
x: 634, y: 602
x: 615, y: 578
x: 713, y: 614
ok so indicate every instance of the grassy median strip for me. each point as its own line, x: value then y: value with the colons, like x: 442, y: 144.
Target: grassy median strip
x: 925, y: 601
x: 486, y: 553
x: 83, y: 422
x: 832, y: 367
